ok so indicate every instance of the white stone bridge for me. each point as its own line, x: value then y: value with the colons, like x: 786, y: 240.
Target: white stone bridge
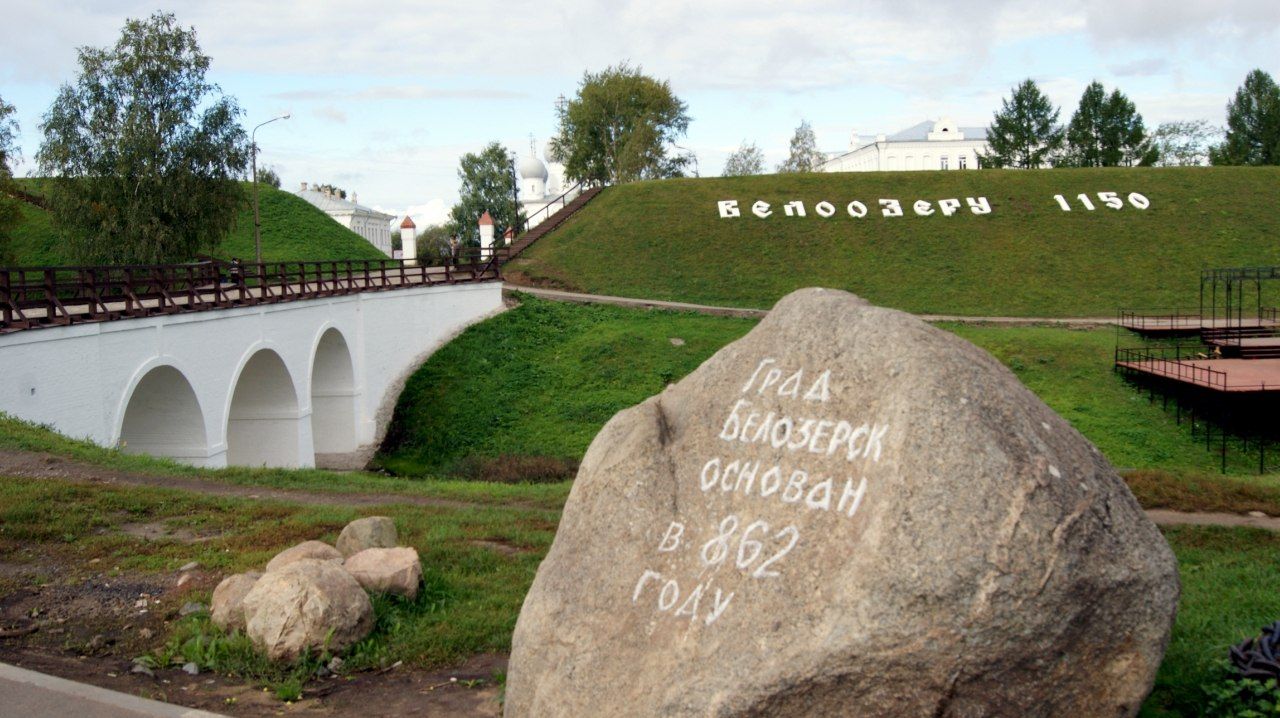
x: 214, y: 365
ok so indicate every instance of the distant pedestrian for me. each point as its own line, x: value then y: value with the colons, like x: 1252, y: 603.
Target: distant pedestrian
x: 237, y: 271
x: 453, y: 249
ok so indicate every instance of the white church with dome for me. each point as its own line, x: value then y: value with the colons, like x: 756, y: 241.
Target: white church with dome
x: 541, y: 184
x: 940, y: 145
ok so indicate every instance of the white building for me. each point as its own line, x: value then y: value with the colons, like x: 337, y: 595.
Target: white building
x: 542, y: 183
x: 940, y: 145
x: 369, y: 223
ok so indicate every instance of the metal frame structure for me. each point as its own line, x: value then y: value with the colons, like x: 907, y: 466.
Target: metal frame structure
x: 1231, y: 322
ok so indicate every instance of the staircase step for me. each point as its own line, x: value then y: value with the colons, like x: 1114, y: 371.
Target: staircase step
x: 548, y: 225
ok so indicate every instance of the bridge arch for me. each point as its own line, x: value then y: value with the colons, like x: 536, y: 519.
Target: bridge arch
x: 161, y: 415
x: 264, y: 422
x: 333, y: 394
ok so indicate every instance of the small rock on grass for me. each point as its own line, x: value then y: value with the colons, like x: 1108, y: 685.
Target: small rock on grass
x: 387, y: 570
x: 366, y: 533
x: 227, y: 605
x: 307, y: 549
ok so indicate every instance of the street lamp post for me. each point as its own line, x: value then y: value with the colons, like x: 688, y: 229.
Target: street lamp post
x: 515, y: 200
x: 253, y: 144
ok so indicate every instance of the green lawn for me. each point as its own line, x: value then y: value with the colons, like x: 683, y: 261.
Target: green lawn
x: 1228, y: 594
x: 472, y: 591
x: 665, y: 240
x: 292, y: 229
x: 551, y: 374
x: 477, y: 564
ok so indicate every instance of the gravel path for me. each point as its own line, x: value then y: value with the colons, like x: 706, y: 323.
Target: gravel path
x: 575, y: 297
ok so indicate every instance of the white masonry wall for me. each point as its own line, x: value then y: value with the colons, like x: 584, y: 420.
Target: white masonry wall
x: 175, y: 378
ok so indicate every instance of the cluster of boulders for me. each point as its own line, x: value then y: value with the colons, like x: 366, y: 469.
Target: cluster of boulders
x: 312, y: 597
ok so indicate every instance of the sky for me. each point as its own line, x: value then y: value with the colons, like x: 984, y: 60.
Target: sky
x: 385, y: 97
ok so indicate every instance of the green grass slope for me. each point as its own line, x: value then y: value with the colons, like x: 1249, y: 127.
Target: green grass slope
x: 292, y: 229
x: 543, y: 378
x: 540, y: 380
x: 665, y: 240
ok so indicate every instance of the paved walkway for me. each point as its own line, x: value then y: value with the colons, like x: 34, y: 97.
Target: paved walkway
x: 27, y: 694
x: 579, y: 298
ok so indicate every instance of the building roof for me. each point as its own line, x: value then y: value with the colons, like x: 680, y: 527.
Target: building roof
x: 920, y: 133
x: 532, y: 168
x: 407, y: 223
x: 336, y: 205
x: 485, y: 218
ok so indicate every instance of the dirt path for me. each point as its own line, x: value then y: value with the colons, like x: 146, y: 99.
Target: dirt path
x: 579, y: 298
x: 38, y: 465
x: 1257, y: 520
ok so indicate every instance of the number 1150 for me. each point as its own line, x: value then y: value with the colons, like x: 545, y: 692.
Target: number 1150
x: 1108, y: 199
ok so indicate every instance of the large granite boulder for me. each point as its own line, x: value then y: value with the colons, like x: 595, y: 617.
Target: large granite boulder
x: 226, y: 608
x: 307, y: 549
x: 368, y: 532
x: 846, y: 512
x: 309, y: 605
x: 396, y: 571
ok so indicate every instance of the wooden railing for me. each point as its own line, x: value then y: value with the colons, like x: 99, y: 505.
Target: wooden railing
x: 33, y: 297
x: 1173, y: 364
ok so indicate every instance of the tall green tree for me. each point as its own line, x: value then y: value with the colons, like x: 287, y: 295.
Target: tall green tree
x: 746, y: 160
x: 10, y: 212
x: 1086, y: 132
x: 620, y: 128
x: 804, y: 155
x: 1184, y: 143
x: 1025, y: 132
x: 268, y: 176
x: 1107, y: 131
x: 1253, y: 124
x: 1127, y: 141
x: 487, y: 182
x: 433, y: 243
x: 144, y: 152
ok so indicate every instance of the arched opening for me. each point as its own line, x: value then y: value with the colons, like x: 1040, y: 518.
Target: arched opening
x: 263, y: 428
x: 163, y: 418
x: 333, y: 396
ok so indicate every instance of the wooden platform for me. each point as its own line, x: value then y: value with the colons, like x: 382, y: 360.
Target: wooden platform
x: 1233, y: 376
x: 1183, y: 324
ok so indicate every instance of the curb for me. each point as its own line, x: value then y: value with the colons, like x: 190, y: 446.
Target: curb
x: 31, y: 694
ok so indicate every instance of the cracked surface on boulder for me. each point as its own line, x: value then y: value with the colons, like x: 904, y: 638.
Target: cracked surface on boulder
x: 845, y: 512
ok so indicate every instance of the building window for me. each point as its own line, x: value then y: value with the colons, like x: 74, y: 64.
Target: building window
x: 964, y: 162
x: 944, y: 164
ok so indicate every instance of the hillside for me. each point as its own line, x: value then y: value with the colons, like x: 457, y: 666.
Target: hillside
x: 666, y: 240
x: 292, y: 229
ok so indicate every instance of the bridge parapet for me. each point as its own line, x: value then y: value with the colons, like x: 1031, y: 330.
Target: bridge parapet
x: 311, y: 370
x: 35, y: 297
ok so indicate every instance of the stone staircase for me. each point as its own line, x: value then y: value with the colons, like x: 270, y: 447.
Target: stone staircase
x: 547, y: 225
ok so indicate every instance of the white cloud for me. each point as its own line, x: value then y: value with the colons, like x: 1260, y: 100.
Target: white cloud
x: 433, y: 211
x: 1165, y: 22
x: 331, y: 113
